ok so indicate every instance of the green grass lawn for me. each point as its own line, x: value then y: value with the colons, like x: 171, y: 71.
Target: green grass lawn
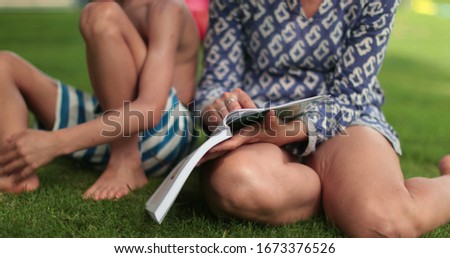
x: 415, y: 77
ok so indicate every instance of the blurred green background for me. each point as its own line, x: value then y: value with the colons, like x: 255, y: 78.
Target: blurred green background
x: 415, y: 77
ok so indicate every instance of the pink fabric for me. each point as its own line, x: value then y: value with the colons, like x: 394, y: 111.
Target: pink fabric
x: 199, y: 10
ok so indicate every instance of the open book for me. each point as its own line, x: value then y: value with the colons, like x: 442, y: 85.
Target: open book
x: 162, y: 199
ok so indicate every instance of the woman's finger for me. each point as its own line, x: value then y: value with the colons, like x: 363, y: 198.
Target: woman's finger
x: 231, y: 101
x: 220, y: 107
x: 271, y: 123
x: 211, y: 118
x: 244, y: 100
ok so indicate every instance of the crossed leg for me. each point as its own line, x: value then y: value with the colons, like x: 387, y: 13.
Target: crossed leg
x: 364, y: 192
x: 115, y: 54
x: 261, y: 182
x: 23, y: 87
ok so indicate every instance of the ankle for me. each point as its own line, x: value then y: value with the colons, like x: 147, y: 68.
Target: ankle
x: 132, y: 161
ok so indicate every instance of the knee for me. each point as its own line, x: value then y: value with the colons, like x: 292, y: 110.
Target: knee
x: 378, y: 218
x: 7, y: 59
x: 99, y: 19
x: 231, y: 188
x: 235, y: 188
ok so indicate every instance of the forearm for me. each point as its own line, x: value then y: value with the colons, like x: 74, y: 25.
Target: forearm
x: 112, y: 125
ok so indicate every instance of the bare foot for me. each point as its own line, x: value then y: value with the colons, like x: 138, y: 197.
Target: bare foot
x: 444, y: 165
x: 116, y: 182
x: 8, y: 184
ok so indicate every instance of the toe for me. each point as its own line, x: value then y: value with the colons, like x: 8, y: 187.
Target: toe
x: 104, y: 194
x: 89, y: 194
x: 121, y: 193
x: 98, y: 195
x: 6, y: 183
x: 444, y: 165
x: 112, y: 194
x: 10, y: 184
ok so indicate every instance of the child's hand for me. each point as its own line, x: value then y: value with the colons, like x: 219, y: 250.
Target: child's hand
x: 27, y: 151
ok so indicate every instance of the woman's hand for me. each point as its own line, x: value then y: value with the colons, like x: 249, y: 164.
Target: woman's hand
x: 27, y: 151
x: 272, y: 130
x: 230, y: 101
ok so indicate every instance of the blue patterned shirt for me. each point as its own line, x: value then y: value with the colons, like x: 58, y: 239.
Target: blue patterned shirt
x: 271, y: 50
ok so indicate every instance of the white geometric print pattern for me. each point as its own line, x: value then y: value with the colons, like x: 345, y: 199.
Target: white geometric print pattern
x: 271, y: 50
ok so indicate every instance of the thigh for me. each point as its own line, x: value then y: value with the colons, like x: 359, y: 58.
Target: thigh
x: 262, y: 182
x: 360, y: 175
x: 116, y: 53
x: 38, y: 90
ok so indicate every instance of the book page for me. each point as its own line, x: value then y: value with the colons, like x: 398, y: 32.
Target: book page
x: 161, y: 201
x: 238, y: 119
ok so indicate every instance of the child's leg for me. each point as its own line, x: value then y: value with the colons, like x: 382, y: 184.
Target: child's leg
x: 115, y: 53
x: 22, y: 87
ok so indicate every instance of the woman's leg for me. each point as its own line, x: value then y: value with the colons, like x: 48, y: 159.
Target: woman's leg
x: 23, y: 87
x: 261, y: 182
x: 115, y: 54
x: 364, y: 192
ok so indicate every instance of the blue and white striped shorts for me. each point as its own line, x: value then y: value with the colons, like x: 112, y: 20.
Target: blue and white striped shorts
x: 161, y: 147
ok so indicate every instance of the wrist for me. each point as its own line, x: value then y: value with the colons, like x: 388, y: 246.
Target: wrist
x: 62, y: 148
